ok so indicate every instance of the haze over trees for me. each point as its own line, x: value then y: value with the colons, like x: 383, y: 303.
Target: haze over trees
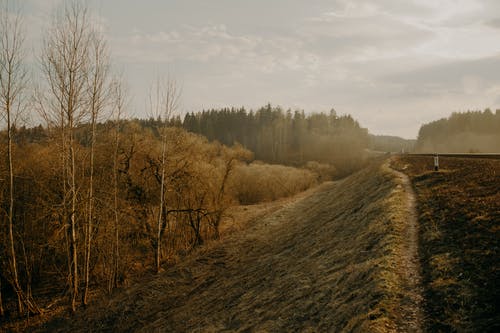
x: 286, y: 137
x: 466, y: 132
x: 387, y: 143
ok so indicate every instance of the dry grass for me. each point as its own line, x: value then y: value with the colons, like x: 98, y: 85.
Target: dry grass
x: 459, y: 213
x: 325, y: 262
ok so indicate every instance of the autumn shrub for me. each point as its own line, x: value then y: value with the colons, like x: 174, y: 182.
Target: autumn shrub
x: 323, y: 171
x: 258, y: 182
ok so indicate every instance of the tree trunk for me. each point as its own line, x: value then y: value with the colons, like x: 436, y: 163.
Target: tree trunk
x: 72, y: 225
x: 162, y: 200
x: 115, y: 208
x: 88, y: 245
x: 13, y: 259
x: 166, y: 102
x: 118, y: 95
x: 98, y: 89
x: 22, y: 299
x: 199, y: 239
x: 2, y: 311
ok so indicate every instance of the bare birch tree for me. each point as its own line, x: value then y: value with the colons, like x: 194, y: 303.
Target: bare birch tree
x: 164, y: 100
x: 65, y: 63
x: 98, y: 89
x: 119, y: 104
x: 13, y: 81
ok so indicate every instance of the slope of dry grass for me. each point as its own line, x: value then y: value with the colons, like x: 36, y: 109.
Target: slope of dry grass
x: 327, y: 262
x: 459, y: 213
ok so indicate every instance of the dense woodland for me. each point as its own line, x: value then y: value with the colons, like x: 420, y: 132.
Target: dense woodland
x: 286, y: 137
x: 467, y: 132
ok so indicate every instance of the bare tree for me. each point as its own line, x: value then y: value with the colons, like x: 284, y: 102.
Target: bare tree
x: 65, y: 62
x: 230, y: 158
x: 164, y: 100
x: 119, y: 103
x: 13, y: 80
x: 98, y: 89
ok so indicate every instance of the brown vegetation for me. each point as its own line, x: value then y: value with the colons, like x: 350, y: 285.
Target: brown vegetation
x: 459, y: 212
x: 327, y: 262
x: 201, y: 181
x: 258, y: 182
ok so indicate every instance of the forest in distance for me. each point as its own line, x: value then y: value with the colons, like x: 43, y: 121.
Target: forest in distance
x: 90, y: 198
x: 335, y: 137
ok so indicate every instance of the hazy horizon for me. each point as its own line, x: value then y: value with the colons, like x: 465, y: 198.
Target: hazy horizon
x: 392, y: 66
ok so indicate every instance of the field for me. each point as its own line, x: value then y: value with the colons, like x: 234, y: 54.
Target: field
x: 459, y: 215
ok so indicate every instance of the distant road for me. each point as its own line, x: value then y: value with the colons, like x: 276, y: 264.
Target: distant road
x: 493, y: 156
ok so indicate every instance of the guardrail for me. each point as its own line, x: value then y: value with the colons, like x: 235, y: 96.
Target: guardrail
x: 494, y: 156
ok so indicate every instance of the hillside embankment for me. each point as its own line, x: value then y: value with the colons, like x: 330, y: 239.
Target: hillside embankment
x: 337, y: 259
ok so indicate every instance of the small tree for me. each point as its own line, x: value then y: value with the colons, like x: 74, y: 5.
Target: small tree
x: 98, y: 95
x: 13, y: 80
x: 164, y: 101
x: 65, y: 63
x: 230, y: 157
x: 118, y: 93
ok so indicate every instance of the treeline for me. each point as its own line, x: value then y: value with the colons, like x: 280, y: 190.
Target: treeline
x: 387, y: 143
x: 467, y: 132
x: 286, y: 137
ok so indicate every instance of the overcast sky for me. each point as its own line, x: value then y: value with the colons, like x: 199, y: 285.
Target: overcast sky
x: 392, y: 64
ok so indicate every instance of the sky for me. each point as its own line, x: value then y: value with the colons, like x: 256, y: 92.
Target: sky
x: 392, y: 64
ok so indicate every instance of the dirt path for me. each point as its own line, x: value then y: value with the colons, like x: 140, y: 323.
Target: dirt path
x: 412, y: 313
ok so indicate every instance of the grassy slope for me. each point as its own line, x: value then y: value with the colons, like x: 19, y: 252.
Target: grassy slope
x: 327, y: 262
x: 459, y: 213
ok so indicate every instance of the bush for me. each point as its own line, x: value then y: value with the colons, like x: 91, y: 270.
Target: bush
x: 258, y: 182
x: 323, y: 171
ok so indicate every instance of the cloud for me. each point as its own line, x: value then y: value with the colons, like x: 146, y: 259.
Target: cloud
x: 41, y: 5
x: 452, y: 74
x: 198, y: 44
x: 493, y: 23
x: 390, y: 63
x: 215, y: 44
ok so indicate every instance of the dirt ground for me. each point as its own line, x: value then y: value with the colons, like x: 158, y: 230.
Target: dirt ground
x: 332, y: 260
x: 459, y: 216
